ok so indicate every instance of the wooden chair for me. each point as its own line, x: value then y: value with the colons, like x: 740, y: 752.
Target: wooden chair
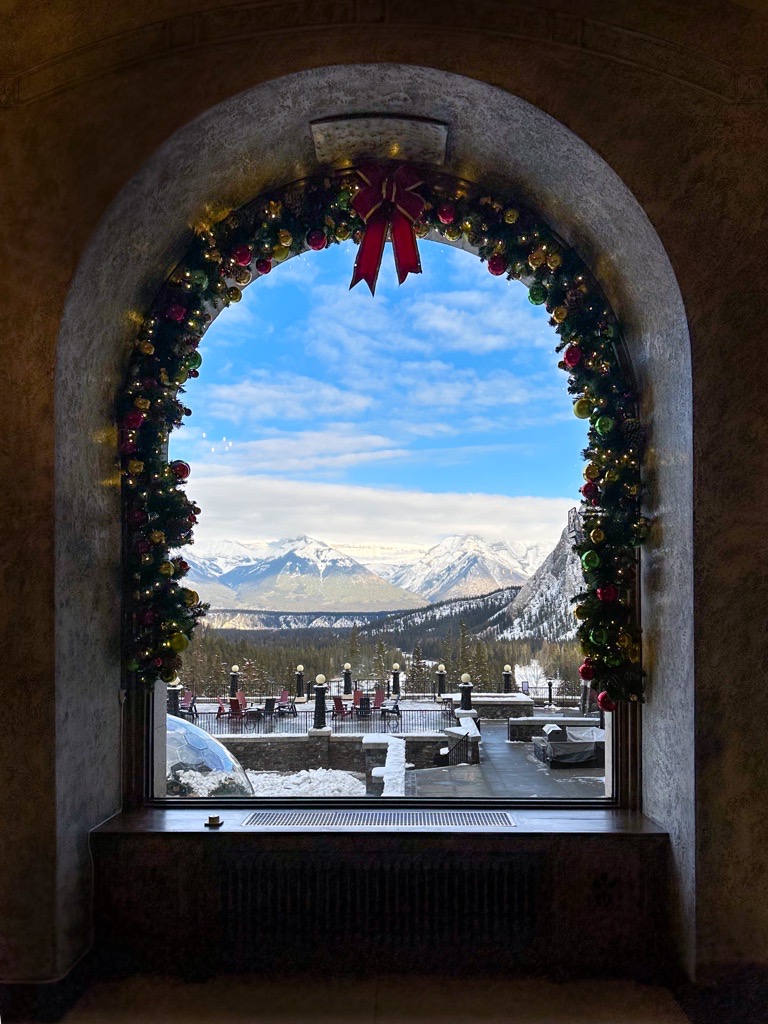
x: 356, y: 698
x: 221, y: 711
x: 187, y: 705
x: 241, y: 698
x: 284, y: 697
x: 339, y: 708
x: 378, y: 698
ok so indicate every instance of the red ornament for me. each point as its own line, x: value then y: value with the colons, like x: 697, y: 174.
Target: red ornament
x: 264, y: 265
x: 605, y: 702
x: 446, y: 213
x: 192, y: 519
x: 158, y: 662
x: 133, y: 419
x: 194, y: 373
x: 241, y: 254
x: 175, y: 312
x: 138, y: 517
x: 143, y: 546
x: 572, y: 356
x: 590, y: 490
x: 128, y: 447
x: 316, y: 239
x: 180, y: 470
x: 607, y: 593
x: 148, y: 618
x: 497, y: 265
x: 587, y: 670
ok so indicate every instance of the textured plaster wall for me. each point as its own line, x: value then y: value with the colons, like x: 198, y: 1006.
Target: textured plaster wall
x: 672, y: 96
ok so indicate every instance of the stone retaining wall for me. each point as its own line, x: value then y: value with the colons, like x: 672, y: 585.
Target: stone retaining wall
x: 320, y: 749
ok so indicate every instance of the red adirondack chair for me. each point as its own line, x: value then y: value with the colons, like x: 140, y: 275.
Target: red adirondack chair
x: 378, y: 698
x: 339, y: 708
x: 356, y: 698
x: 285, y: 697
x: 241, y: 700
x: 221, y: 710
x: 187, y: 705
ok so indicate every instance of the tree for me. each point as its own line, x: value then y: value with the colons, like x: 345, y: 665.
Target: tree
x: 380, y: 662
x: 418, y: 674
x: 465, y: 650
x: 353, y: 651
x: 480, y: 667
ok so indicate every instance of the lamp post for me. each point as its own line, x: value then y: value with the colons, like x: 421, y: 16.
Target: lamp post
x: 395, y: 679
x: 440, y: 680
x: 506, y: 675
x: 465, y: 686
x: 347, y: 678
x: 234, y: 680
x: 319, y: 722
x: 549, y: 687
x: 299, y: 680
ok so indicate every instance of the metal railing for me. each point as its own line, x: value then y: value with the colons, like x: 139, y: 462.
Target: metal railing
x: 408, y: 721
x: 459, y: 753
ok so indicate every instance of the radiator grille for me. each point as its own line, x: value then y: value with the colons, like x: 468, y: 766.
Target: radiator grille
x: 381, y: 819
x: 374, y: 909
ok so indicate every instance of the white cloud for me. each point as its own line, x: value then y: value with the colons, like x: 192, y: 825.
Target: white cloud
x: 262, y: 508
x: 268, y: 395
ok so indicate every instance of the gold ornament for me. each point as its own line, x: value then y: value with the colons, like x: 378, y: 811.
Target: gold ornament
x: 591, y: 471
x: 511, y: 215
x: 343, y: 231
x: 612, y: 476
x: 135, y: 466
x: 284, y: 237
x: 559, y: 314
x: 536, y: 259
x: 554, y: 260
x: 280, y: 253
x: 597, y: 536
x: 453, y: 232
x: 582, y: 408
x: 274, y: 208
x: 146, y: 348
x: 212, y: 255
x: 634, y: 654
x: 157, y: 537
x: 624, y: 640
x: 466, y: 226
x: 243, y: 276
x: 142, y: 403
x: 166, y: 568
x: 420, y: 228
x: 234, y: 294
x: 631, y: 489
x: 580, y: 612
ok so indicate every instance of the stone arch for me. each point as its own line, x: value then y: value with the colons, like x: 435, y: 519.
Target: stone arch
x: 261, y: 138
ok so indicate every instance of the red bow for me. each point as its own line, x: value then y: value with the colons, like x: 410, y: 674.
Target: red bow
x: 386, y: 201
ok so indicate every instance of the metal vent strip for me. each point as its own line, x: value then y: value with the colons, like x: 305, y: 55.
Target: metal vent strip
x: 393, y: 819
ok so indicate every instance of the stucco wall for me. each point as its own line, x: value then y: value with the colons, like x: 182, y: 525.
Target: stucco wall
x: 671, y: 95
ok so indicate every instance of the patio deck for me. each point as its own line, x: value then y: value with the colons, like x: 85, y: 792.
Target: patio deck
x: 508, y: 770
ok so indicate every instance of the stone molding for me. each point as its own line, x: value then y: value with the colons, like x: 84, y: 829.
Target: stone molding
x: 191, y: 33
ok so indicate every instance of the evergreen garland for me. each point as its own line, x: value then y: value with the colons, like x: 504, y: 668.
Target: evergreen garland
x: 313, y: 214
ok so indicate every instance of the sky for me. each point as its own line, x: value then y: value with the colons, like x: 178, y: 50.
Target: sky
x: 433, y: 408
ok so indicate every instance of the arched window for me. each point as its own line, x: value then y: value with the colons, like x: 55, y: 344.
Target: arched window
x: 366, y: 205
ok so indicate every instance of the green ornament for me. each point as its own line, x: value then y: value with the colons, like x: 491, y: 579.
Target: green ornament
x: 604, y: 425
x: 342, y: 200
x: 199, y: 278
x: 193, y: 361
x: 598, y: 635
x: 537, y: 294
x: 590, y: 559
x: 133, y: 665
x: 178, y: 642
x: 582, y: 408
x: 614, y: 660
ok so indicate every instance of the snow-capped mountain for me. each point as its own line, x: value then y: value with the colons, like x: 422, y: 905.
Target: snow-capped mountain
x: 297, y: 574
x: 385, y: 559
x: 464, y: 566
x: 543, y: 607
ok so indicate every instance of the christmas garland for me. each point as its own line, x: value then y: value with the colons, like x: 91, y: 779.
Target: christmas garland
x: 158, y: 515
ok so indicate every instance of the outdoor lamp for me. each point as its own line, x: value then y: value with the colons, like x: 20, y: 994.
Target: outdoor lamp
x: 235, y: 668
x: 507, y: 668
x: 347, y: 666
x: 320, y: 680
x: 441, y: 668
x: 299, y: 668
x: 465, y: 677
x: 395, y: 667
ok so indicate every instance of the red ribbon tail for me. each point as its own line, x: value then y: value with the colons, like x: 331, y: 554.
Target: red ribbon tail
x: 370, y: 252
x: 405, y: 248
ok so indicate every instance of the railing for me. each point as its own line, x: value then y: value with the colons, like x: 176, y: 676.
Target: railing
x: 409, y: 721
x: 459, y: 753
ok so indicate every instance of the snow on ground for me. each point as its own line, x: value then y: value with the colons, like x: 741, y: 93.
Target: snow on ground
x: 394, y: 768
x: 311, y: 782
x: 204, y: 783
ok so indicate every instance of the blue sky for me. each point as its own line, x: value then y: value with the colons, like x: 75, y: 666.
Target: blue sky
x: 434, y: 408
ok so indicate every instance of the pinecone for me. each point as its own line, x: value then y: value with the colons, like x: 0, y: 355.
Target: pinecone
x: 633, y: 432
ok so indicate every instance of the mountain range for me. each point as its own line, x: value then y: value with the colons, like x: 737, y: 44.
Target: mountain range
x: 302, y: 574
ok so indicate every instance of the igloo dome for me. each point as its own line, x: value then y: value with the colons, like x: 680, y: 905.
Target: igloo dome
x: 198, y: 765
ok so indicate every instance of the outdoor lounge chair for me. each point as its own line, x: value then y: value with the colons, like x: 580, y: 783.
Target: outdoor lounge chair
x: 356, y: 698
x: 287, y: 706
x: 378, y: 698
x: 188, y: 706
x: 339, y: 708
x: 284, y: 697
x: 221, y: 710
x: 390, y: 709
